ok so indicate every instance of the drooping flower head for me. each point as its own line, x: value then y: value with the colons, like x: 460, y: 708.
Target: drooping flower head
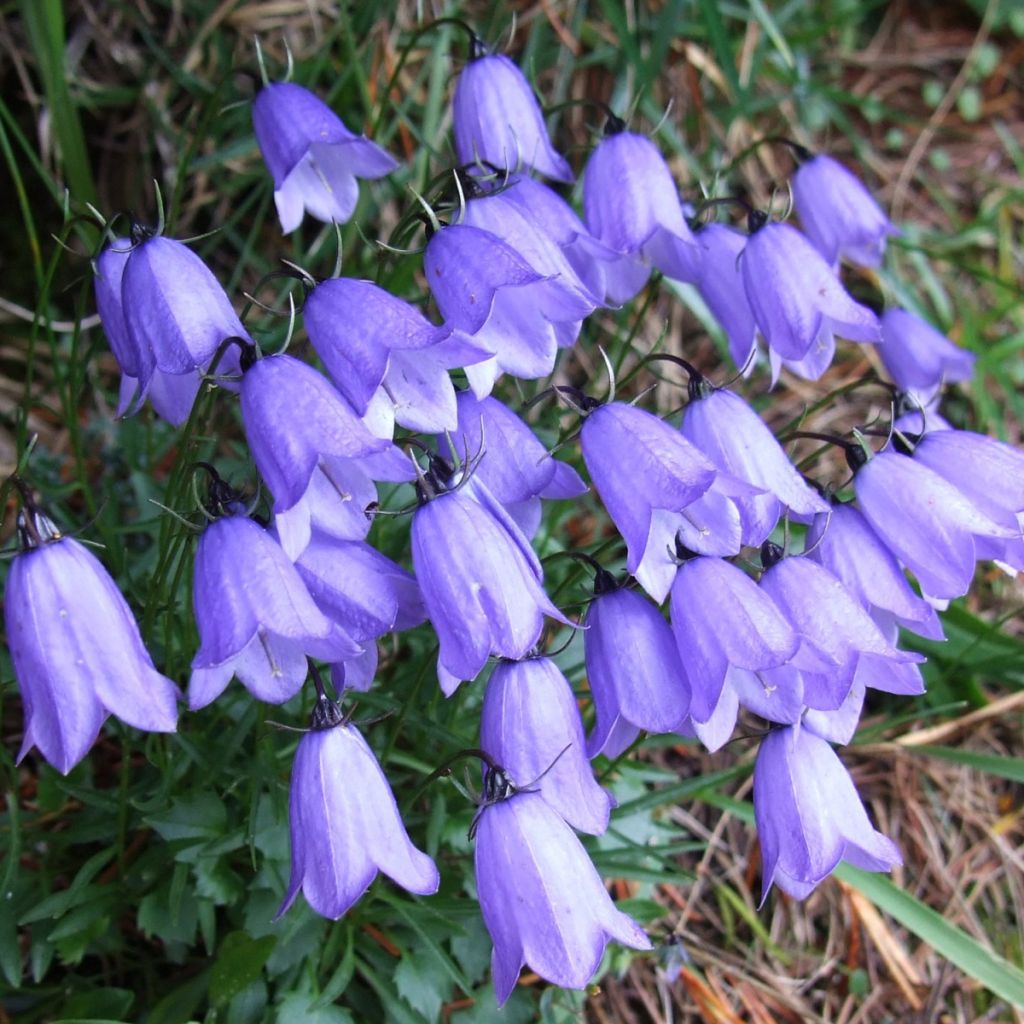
x: 809, y: 816
x: 498, y: 121
x: 917, y: 356
x: 720, y: 284
x: 481, y: 581
x: 312, y: 157
x: 838, y: 213
x: 76, y: 648
x: 345, y: 825
x: 541, y: 897
x: 631, y: 203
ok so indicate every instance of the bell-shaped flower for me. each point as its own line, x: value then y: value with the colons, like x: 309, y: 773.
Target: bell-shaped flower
x: 498, y: 121
x: 492, y: 297
x: 633, y: 669
x: 925, y: 521
x: 165, y: 316
x: 838, y: 213
x: 732, y: 435
x: 345, y: 825
x: 917, y: 356
x: 514, y: 466
x: 809, y: 816
x: 541, y: 896
x: 990, y: 474
x: 720, y: 284
x: 631, y: 204
x: 531, y: 725
x: 647, y: 474
x: 844, y: 542
x: 368, y: 339
x: 307, y: 441
x: 796, y: 299
x: 312, y: 157
x: 722, y: 621
x: 835, y: 627
x: 256, y: 618
x: 76, y: 649
x: 481, y: 581
x: 365, y: 593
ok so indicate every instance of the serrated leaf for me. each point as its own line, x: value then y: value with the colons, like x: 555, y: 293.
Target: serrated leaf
x: 419, y: 984
x: 239, y: 963
x: 201, y: 816
x: 299, y: 1009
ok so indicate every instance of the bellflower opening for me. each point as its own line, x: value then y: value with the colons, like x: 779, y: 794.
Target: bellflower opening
x: 541, y: 897
x: 917, y: 356
x: 720, y: 284
x: 312, y: 157
x: 345, y: 824
x: 498, y: 121
x: 76, y: 648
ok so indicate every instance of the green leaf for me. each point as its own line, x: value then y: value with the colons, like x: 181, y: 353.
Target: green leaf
x: 178, y: 1005
x: 240, y: 960
x: 419, y: 985
x: 299, y: 1009
x: 993, y: 971
x: 199, y: 816
x: 995, y: 764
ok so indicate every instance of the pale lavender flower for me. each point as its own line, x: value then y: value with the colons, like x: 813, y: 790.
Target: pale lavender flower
x: 76, y: 649
x: 720, y: 284
x: 809, y: 816
x: 917, y: 356
x: 312, y: 157
x: 838, y: 213
x: 498, y: 121
x: 345, y: 825
x: 541, y: 897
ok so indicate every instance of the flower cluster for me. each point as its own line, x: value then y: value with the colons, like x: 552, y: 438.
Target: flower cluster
x: 514, y: 273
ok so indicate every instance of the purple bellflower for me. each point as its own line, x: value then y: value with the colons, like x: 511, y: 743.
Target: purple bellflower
x: 498, y: 121
x: 809, y: 816
x: 531, y: 725
x: 312, y: 157
x: 796, y: 299
x: 76, y: 648
x: 369, y: 340
x: 365, y: 593
x: 722, y: 621
x: 720, y: 284
x: 345, y: 825
x: 838, y: 213
x: 917, y: 356
x: 836, y: 628
x: 633, y: 668
x: 844, y: 542
x: 481, y: 581
x: 648, y: 475
x: 924, y: 520
x: 990, y: 474
x: 540, y: 895
x: 256, y: 618
x: 495, y: 300
x: 165, y: 316
x: 315, y: 454
x: 631, y: 204
x: 732, y: 435
x: 514, y: 466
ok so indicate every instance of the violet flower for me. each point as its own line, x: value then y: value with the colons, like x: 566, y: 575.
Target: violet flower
x: 498, y: 121
x: 530, y: 723
x: 495, y: 300
x: 924, y: 520
x: 796, y: 299
x: 720, y: 284
x: 256, y: 619
x: 633, y: 669
x: 76, y: 648
x: 514, y: 466
x: 809, y: 816
x: 732, y: 435
x: 345, y: 825
x: 481, y: 581
x: 541, y: 897
x: 631, y: 204
x: 647, y: 475
x: 312, y: 157
x: 917, y: 356
x: 838, y: 213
